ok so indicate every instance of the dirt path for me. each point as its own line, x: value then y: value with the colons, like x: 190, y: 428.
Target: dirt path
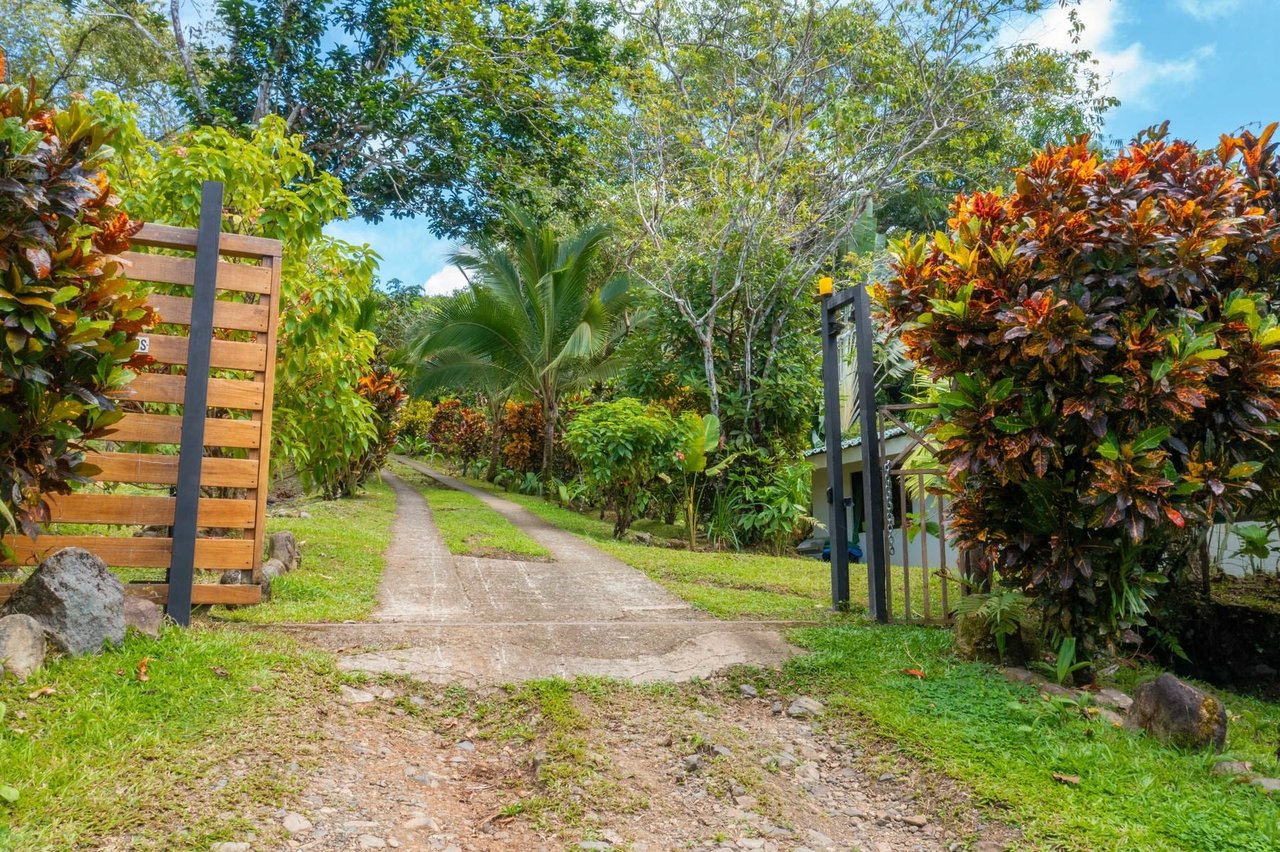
x: 464, y: 620
x: 430, y: 755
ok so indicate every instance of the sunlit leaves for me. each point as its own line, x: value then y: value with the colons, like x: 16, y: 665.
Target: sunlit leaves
x: 1123, y: 309
x: 69, y: 316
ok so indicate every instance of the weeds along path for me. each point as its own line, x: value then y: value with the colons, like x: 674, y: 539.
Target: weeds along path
x: 473, y: 621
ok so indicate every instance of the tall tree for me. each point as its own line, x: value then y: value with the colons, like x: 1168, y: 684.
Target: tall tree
x: 444, y: 109
x: 120, y: 46
x: 756, y: 136
x: 535, y: 320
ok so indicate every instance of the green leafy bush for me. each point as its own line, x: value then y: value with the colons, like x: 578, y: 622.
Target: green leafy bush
x: 1114, y: 360
x: 622, y: 446
x: 459, y: 432
x: 69, y: 315
x: 413, y: 420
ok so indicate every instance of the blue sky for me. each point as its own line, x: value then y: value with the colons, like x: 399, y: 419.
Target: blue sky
x: 1209, y: 66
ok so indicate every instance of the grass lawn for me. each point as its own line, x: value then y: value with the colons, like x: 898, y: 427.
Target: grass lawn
x: 467, y: 525
x: 342, y: 544
x: 726, y: 584
x: 103, y: 753
x: 1006, y: 743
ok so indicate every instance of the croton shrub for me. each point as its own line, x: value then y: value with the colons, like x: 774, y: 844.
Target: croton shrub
x: 459, y: 432
x: 522, y: 436
x: 1107, y: 331
x: 70, y: 317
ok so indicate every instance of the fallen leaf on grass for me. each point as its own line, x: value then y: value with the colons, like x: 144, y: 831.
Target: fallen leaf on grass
x: 916, y: 673
x: 255, y: 689
x: 142, y: 669
x: 1066, y: 779
x: 220, y: 671
x: 42, y: 691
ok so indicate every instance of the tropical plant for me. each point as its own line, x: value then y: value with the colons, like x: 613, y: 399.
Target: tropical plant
x: 321, y: 425
x: 1115, y: 365
x: 1065, y: 664
x: 521, y: 436
x: 696, y: 437
x: 70, y: 317
x: 459, y: 432
x: 535, y: 320
x: 414, y: 418
x: 622, y: 446
x: 1255, y: 543
x: 1002, y: 612
x: 382, y: 389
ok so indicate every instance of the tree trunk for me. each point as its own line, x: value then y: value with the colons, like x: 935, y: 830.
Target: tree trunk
x: 709, y: 367
x: 550, y: 413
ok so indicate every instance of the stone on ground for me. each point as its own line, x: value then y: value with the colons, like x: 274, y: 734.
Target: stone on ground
x: 296, y: 823
x: 284, y: 547
x: 143, y: 615
x: 21, y: 645
x: 77, y: 600
x: 1178, y: 714
x: 804, y: 707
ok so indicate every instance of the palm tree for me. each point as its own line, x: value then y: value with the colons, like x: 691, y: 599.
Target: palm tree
x: 534, y: 321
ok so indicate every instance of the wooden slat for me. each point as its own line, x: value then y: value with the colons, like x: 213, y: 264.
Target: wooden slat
x: 223, y: 354
x: 212, y: 554
x: 232, y: 315
x: 201, y: 593
x: 223, y: 393
x: 87, y: 507
x: 268, y: 378
x: 163, y: 470
x: 167, y: 269
x: 167, y: 429
x: 237, y: 245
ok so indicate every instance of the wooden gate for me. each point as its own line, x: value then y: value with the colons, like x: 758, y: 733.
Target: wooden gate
x: 130, y: 509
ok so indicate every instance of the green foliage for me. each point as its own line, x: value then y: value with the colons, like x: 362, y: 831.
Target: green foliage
x: 763, y: 500
x: 1114, y: 366
x: 622, y: 446
x: 1134, y: 792
x: 120, y: 46
x: 1255, y: 543
x: 1003, y: 612
x: 69, y: 316
x: 322, y: 426
x: 536, y: 321
x: 758, y: 135
x: 442, y: 109
x: 1065, y: 665
x: 414, y: 418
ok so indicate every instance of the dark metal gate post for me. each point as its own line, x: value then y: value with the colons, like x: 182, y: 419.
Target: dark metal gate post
x: 872, y: 474
x: 838, y: 526
x: 195, y: 405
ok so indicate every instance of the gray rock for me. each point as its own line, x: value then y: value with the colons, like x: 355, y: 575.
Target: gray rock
x: 1268, y: 785
x: 1179, y: 714
x: 804, y: 707
x: 1232, y: 767
x: 594, y: 844
x: 746, y: 690
x: 77, y: 600
x: 237, y: 846
x: 143, y: 615
x: 693, y: 763
x: 296, y: 823
x: 283, y: 546
x: 918, y: 820
x: 349, y: 695
x: 21, y: 645
x: 777, y: 708
x: 1017, y: 674
x: 371, y: 841
x: 1113, y: 698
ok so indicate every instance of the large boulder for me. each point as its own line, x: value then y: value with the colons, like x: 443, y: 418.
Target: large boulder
x: 21, y: 645
x: 284, y: 547
x: 77, y: 600
x: 1179, y: 714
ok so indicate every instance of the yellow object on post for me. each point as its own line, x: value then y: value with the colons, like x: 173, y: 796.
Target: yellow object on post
x: 826, y: 286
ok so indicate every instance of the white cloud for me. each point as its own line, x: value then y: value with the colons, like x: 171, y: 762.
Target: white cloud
x: 1128, y: 70
x: 1208, y: 10
x: 447, y: 280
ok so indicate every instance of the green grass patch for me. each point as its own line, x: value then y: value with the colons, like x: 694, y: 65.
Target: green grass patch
x: 342, y: 543
x: 96, y: 752
x: 1006, y: 743
x: 468, y: 525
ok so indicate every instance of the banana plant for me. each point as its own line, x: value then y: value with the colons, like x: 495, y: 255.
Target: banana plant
x: 697, y: 437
